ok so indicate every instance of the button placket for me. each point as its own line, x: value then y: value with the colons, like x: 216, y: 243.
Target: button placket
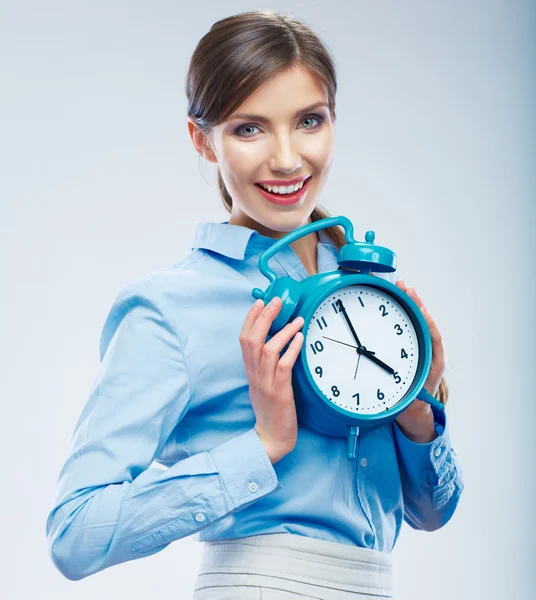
x: 361, y: 487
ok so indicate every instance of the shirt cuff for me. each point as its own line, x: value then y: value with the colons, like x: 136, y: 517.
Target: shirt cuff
x: 245, y: 469
x: 427, y: 464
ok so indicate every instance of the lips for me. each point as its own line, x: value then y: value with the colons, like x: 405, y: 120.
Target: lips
x: 284, y: 183
x: 284, y: 199
x: 273, y: 182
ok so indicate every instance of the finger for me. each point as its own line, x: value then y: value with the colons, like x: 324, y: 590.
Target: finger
x: 438, y: 350
x: 417, y: 299
x: 272, y: 349
x: 261, y: 327
x: 283, y: 373
x: 264, y: 319
x: 434, y: 331
x: 412, y: 292
x: 251, y: 317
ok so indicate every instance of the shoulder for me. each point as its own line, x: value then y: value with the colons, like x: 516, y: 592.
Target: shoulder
x: 187, y: 274
x: 171, y: 296
x: 154, y: 283
x: 153, y: 296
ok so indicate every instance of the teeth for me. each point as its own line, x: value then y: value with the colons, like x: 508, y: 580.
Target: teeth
x: 282, y: 189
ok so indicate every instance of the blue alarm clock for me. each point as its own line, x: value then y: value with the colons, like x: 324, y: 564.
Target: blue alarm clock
x: 367, y: 348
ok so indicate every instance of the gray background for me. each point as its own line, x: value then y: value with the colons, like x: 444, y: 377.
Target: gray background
x: 100, y: 184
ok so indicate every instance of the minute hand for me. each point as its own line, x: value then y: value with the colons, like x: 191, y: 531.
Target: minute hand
x: 343, y: 310
x: 361, y: 349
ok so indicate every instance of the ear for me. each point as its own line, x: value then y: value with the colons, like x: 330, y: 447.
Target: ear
x: 200, y: 141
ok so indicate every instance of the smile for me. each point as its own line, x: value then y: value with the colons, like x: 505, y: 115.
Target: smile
x: 282, y: 199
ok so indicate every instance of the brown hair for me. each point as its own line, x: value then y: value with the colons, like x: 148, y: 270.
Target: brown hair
x: 248, y: 49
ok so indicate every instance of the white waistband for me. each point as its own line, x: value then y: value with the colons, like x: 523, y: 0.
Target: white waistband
x: 294, y: 560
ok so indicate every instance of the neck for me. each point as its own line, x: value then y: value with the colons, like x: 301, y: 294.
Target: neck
x: 306, y: 250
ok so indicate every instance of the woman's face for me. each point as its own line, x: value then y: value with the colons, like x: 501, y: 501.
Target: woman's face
x: 287, y: 143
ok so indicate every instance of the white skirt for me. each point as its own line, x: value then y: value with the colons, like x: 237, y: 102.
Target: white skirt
x: 283, y: 566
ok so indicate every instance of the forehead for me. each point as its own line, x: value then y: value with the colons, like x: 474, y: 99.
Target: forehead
x: 284, y: 94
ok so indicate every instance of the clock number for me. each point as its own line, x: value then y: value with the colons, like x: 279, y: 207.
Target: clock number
x: 383, y: 310
x: 335, y: 308
x: 354, y: 396
x: 380, y: 395
x: 361, y: 301
x: 335, y: 391
x: 399, y: 330
x: 318, y: 371
x: 320, y: 324
x: 403, y: 353
x: 317, y: 346
x: 397, y: 377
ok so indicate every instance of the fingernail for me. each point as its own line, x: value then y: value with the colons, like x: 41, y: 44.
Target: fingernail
x: 274, y: 301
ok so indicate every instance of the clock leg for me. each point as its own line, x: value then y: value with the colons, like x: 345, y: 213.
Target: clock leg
x: 352, y: 441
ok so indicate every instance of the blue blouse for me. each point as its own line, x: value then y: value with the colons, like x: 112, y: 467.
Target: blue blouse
x: 165, y: 446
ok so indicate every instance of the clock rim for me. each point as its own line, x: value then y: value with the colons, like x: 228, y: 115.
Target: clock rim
x: 346, y: 279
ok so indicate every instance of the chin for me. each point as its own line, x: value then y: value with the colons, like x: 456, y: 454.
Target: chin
x: 285, y: 222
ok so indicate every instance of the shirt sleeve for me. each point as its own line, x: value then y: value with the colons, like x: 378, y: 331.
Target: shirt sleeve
x: 431, y: 476
x: 111, y: 505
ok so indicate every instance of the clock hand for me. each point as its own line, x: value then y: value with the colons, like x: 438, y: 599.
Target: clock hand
x: 345, y: 344
x: 361, y: 349
x: 343, y: 311
x: 380, y: 363
x: 357, y: 366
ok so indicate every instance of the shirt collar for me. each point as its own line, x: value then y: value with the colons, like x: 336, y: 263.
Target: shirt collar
x: 234, y: 240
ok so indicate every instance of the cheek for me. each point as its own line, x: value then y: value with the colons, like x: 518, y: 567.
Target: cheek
x: 241, y: 160
x: 320, y: 149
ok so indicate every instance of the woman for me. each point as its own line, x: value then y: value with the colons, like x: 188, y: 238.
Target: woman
x: 188, y: 379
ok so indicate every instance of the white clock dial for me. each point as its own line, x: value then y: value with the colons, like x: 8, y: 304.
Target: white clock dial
x: 352, y: 381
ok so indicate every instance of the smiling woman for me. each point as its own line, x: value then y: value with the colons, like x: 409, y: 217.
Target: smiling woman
x: 273, y: 139
x: 188, y: 378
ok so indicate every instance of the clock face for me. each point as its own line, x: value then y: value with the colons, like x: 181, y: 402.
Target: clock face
x: 353, y: 381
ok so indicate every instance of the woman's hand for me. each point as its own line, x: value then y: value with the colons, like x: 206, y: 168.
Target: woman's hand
x: 270, y: 376
x: 417, y: 420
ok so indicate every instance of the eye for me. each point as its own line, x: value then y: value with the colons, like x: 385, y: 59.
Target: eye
x: 237, y: 131
x: 319, y: 118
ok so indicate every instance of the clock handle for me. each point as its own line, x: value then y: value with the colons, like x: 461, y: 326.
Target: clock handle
x: 297, y: 234
x: 425, y: 395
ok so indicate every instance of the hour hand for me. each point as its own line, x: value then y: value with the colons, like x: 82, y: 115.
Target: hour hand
x: 379, y: 362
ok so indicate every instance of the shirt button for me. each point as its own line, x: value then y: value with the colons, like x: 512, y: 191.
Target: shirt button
x: 253, y: 487
x: 438, y: 451
x: 199, y: 517
x: 364, y: 462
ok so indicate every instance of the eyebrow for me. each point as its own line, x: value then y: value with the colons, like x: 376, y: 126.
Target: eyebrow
x: 266, y: 120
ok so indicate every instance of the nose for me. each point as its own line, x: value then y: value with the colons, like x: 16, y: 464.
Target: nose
x: 285, y: 158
